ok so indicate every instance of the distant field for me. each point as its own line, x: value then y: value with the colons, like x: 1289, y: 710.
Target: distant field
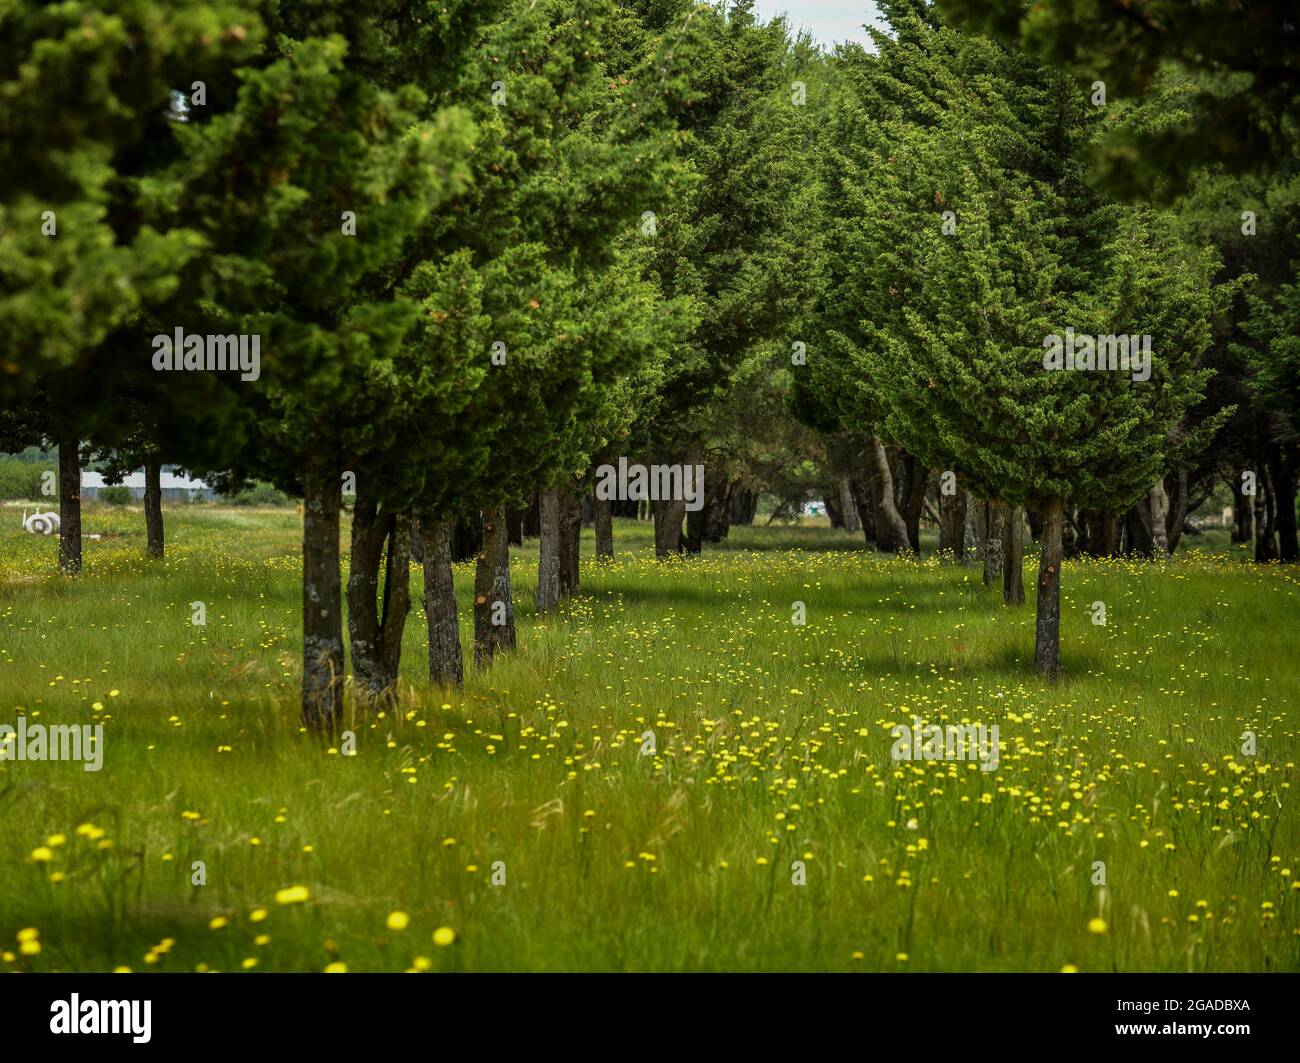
x: 772, y: 746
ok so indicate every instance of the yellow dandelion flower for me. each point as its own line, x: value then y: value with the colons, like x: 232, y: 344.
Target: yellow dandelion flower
x: 398, y: 920
x: 292, y: 895
x: 444, y: 936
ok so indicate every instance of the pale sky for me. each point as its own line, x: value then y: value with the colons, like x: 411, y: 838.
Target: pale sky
x: 829, y: 21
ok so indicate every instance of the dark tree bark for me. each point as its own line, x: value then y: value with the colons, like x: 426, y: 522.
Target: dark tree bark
x: 1074, y: 531
x: 1158, y: 507
x: 1241, y: 511
x: 494, y: 611
x: 1013, y: 556
x: 446, y: 665
x: 977, y: 528
x: 1047, y: 630
x: 1035, y: 523
x: 952, y: 524
x: 848, y: 506
x: 831, y: 499
x: 515, y: 525
x: 322, y: 621
x: 863, y: 500
x: 1176, y: 516
x: 693, y: 539
x: 153, y: 517
x: 1282, y: 469
x: 533, y: 516
x: 915, y: 482
x: 467, y: 538
x: 548, y: 549
x: 377, y: 622
x: 70, y: 506
x: 698, y: 520
x: 369, y: 532
x: 397, y: 593
x: 744, y: 504
x: 994, y: 537
x: 1265, y: 512
x: 1136, y: 537
x: 668, y: 527
x: 891, y: 530
x: 570, y: 542
x: 603, y: 512
x: 1103, y: 534
x: 717, y: 510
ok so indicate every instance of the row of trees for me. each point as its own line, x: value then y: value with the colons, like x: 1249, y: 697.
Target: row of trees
x: 487, y: 246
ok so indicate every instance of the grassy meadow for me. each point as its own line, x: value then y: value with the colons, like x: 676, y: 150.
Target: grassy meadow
x: 772, y: 745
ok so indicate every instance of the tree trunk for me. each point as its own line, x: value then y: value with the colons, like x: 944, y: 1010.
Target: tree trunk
x: 1176, y: 515
x: 848, y: 507
x: 1158, y: 501
x: 494, y: 611
x: 1103, y: 534
x: 831, y: 500
x: 1137, y: 531
x: 446, y: 666
x: 1013, y: 556
x: 916, y: 481
x: 397, y: 592
x: 322, y: 621
x: 370, y: 530
x: 668, y: 527
x: 993, y: 540
x: 744, y: 504
x: 533, y: 516
x: 1282, y: 468
x: 153, y: 518
x: 863, y: 501
x: 548, y: 550
x: 1035, y: 523
x: 693, y: 540
x: 891, y: 530
x: 466, y: 537
x: 977, y: 529
x: 376, y: 623
x: 717, y: 511
x: 604, y: 514
x: 1047, y: 631
x: 570, y: 541
x: 70, y: 506
x: 1265, y: 549
x: 515, y: 525
x: 952, y: 524
x: 1241, y: 514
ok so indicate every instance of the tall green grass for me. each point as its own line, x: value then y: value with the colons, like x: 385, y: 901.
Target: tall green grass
x: 772, y: 745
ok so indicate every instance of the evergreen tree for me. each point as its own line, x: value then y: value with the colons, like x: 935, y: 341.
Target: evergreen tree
x: 979, y: 253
